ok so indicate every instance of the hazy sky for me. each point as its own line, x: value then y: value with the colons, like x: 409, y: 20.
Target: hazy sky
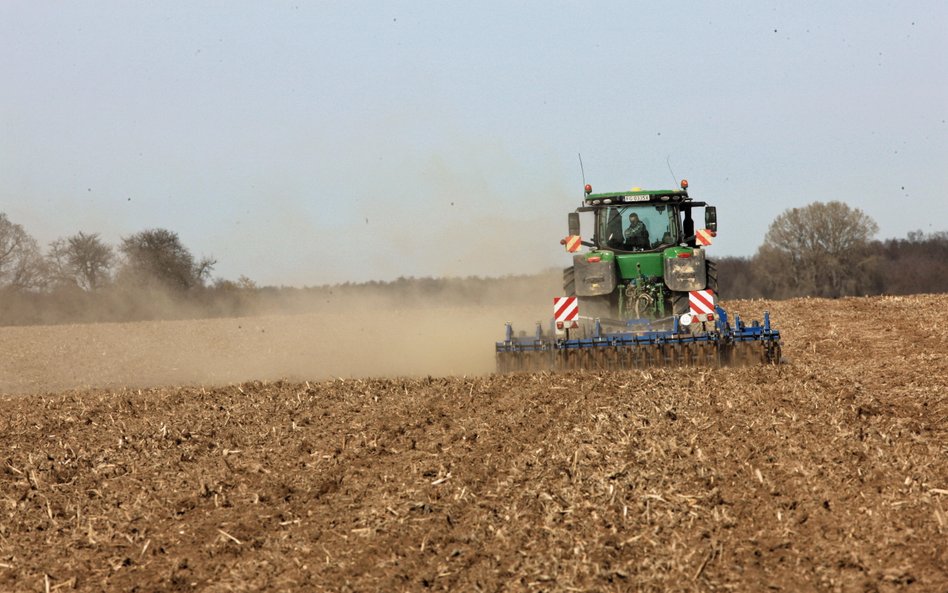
x: 316, y: 142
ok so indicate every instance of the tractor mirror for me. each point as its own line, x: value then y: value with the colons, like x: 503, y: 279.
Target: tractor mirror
x: 711, y: 218
x: 573, y: 220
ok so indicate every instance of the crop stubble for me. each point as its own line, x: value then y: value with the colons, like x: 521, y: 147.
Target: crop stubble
x: 828, y: 473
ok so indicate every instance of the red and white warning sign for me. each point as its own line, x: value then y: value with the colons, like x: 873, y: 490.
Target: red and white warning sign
x: 703, y: 236
x: 565, y: 309
x: 702, y: 304
x: 573, y: 243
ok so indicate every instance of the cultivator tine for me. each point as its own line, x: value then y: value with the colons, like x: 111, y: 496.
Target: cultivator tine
x: 629, y: 358
x: 640, y: 357
x: 755, y: 354
x: 773, y: 353
x: 600, y: 359
x: 608, y: 356
x: 693, y: 355
x: 745, y: 354
x: 574, y: 360
x: 562, y: 360
x: 711, y: 354
x: 697, y: 355
x: 734, y: 352
x: 680, y: 355
x: 591, y: 359
x: 658, y: 356
x: 734, y: 355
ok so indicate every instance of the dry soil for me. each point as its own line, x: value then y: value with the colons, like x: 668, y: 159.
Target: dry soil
x: 171, y: 457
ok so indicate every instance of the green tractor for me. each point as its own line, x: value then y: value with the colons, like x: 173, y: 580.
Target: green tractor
x: 643, y: 295
x: 645, y: 256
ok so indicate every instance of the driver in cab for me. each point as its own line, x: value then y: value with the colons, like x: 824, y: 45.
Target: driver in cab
x: 636, y: 235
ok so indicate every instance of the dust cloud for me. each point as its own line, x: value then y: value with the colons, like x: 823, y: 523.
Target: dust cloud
x: 367, y: 335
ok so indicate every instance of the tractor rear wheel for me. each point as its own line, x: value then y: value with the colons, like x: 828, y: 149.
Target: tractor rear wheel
x: 569, y: 281
x: 602, y: 307
x: 597, y: 306
x: 713, y: 276
x: 680, y: 303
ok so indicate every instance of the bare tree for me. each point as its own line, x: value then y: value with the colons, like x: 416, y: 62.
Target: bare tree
x: 819, y: 250
x: 81, y: 260
x: 246, y: 283
x: 203, y: 269
x: 21, y: 265
x: 158, y: 256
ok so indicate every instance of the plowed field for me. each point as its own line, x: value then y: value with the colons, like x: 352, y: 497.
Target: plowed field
x: 130, y: 464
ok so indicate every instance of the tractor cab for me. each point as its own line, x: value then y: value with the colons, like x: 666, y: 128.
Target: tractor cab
x: 640, y: 220
x: 637, y: 228
x: 644, y: 254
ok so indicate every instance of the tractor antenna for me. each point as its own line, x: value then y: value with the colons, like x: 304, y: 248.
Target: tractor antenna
x: 581, y: 168
x: 669, y: 163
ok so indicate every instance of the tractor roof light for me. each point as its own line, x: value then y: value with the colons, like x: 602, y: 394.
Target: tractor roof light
x: 589, y: 189
x: 684, y: 184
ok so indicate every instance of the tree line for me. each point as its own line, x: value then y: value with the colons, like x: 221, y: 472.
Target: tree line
x: 822, y: 250
x: 150, y: 274
x: 829, y: 250
x: 154, y: 258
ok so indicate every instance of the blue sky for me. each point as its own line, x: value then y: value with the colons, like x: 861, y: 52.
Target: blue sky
x: 310, y: 143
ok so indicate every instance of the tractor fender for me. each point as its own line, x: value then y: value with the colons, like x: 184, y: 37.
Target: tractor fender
x: 684, y: 274
x: 594, y: 278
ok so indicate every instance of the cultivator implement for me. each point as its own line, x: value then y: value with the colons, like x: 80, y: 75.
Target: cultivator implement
x: 708, y: 344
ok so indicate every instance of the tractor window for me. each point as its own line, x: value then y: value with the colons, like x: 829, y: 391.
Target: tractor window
x: 638, y: 228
